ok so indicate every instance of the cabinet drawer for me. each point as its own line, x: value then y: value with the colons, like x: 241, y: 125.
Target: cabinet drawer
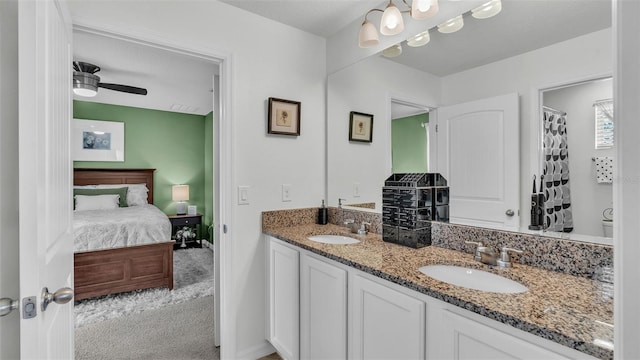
x: 185, y: 221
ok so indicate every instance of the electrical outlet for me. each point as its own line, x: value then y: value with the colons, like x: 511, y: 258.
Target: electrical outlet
x: 356, y: 189
x: 243, y: 195
x: 286, y: 192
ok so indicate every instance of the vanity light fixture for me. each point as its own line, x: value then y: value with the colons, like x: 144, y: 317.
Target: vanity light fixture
x: 419, y: 40
x: 392, y: 51
x: 392, y: 22
x: 487, y: 10
x: 451, y: 25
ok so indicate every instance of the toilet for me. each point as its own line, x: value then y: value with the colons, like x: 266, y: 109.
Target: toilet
x: 607, y: 228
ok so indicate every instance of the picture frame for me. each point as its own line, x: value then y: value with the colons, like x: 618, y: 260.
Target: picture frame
x: 94, y: 140
x: 360, y: 127
x: 283, y: 117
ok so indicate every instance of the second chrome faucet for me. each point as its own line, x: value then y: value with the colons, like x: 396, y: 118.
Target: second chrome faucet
x: 487, y: 255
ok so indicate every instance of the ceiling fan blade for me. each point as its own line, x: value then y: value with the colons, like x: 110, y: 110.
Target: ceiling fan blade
x: 123, y: 88
x: 85, y: 67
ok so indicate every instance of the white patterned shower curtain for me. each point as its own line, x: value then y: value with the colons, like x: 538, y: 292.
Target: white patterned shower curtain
x: 557, y: 195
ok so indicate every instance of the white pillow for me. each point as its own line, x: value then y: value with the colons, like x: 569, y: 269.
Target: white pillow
x: 97, y: 202
x: 136, y: 194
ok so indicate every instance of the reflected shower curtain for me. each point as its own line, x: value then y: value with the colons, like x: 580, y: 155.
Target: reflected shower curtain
x: 557, y: 195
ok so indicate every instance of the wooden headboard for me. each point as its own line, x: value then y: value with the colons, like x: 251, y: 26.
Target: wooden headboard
x: 86, y: 176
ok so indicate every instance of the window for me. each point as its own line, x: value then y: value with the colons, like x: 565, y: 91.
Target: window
x: 604, y: 123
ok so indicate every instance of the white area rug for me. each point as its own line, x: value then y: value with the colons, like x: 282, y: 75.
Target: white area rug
x: 192, y: 278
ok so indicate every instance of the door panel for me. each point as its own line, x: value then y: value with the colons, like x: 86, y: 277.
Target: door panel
x: 46, y: 247
x: 478, y: 153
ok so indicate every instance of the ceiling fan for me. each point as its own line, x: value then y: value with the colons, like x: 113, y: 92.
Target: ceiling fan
x: 86, y: 82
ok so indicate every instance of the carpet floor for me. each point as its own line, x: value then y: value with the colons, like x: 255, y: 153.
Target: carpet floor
x: 192, y: 278
x: 183, y: 331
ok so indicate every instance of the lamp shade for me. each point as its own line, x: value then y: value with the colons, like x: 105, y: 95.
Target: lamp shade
x: 451, y: 25
x: 391, y: 23
x: 422, y: 9
x: 487, y: 10
x: 368, y: 35
x: 392, y: 51
x: 180, y: 192
x: 419, y: 40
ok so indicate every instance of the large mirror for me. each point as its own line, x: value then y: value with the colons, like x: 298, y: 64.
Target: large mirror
x: 530, y: 47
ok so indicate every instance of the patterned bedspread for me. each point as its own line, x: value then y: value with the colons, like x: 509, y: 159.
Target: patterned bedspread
x: 122, y: 227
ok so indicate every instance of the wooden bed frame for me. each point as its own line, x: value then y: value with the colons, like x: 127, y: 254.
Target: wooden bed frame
x: 109, y: 271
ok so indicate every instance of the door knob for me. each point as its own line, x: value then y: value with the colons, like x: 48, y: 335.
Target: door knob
x: 8, y: 305
x: 510, y: 212
x: 62, y: 296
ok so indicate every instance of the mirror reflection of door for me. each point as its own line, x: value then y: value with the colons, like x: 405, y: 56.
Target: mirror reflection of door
x: 585, y: 170
x: 409, y: 138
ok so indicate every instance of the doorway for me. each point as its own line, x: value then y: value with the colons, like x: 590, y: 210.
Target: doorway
x: 410, y: 140
x: 217, y: 163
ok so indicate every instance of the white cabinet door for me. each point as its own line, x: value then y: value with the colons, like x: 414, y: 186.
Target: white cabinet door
x: 384, y: 323
x: 478, y: 153
x: 323, y: 310
x: 460, y: 338
x: 284, y: 299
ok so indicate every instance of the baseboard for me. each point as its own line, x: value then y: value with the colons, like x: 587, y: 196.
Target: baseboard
x: 256, y: 352
x: 206, y: 244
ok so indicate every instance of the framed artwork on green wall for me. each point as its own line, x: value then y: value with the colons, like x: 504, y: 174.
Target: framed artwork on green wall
x: 93, y: 140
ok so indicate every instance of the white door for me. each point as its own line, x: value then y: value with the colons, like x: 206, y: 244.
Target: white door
x: 46, y: 247
x: 323, y: 310
x: 283, y: 286
x: 384, y: 323
x: 478, y: 154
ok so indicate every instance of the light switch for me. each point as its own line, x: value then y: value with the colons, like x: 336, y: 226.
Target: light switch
x: 243, y: 195
x: 356, y: 189
x: 286, y: 192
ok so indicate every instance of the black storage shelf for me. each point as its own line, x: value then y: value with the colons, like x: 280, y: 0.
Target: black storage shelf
x: 409, y: 203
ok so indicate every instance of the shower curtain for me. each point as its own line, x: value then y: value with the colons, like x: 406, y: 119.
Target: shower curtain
x: 557, y: 194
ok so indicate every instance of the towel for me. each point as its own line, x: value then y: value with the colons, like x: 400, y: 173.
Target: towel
x: 604, y: 169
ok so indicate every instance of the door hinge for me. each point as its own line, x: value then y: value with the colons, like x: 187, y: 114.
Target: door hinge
x: 224, y: 228
x: 436, y: 127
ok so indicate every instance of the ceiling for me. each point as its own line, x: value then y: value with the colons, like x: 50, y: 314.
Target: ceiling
x: 174, y: 81
x: 183, y: 83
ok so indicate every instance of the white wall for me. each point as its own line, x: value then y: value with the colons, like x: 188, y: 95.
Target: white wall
x: 367, y: 87
x: 588, y: 197
x: 562, y: 63
x: 9, y: 286
x: 268, y: 60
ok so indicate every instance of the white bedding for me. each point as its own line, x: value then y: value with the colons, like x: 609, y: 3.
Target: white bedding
x: 121, y: 227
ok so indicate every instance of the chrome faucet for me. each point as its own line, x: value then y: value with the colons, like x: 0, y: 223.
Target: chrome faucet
x: 484, y: 254
x: 364, y: 228
x: 351, y: 224
x: 341, y: 210
x: 489, y: 256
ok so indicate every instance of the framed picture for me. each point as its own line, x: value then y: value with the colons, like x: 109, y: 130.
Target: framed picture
x: 94, y: 140
x: 360, y: 127
x: 284, y: 117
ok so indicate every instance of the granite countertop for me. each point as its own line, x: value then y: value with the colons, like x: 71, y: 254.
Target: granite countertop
x: 573, y: 311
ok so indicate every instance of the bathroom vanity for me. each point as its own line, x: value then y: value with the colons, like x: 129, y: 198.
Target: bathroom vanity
x: 359, y: 300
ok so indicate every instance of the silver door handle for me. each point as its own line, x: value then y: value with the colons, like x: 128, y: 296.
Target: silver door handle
x: 62, y: 296
x: 8, y: 305
x: 510, y: 212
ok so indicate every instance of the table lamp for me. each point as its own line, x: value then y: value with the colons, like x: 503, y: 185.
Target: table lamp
x: 180, y: 193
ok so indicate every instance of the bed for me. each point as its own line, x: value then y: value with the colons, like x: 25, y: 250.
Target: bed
x: 128, y: 266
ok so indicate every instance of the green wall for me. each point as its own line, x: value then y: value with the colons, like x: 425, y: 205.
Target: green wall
x: 172, y: 143
x: 409, y: 144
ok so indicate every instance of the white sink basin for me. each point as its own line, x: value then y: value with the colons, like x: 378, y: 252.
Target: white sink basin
x: 473, y: 279
x: 333, y: 239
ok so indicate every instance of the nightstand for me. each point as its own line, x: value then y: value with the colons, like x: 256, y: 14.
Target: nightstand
x: 194, y: 222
